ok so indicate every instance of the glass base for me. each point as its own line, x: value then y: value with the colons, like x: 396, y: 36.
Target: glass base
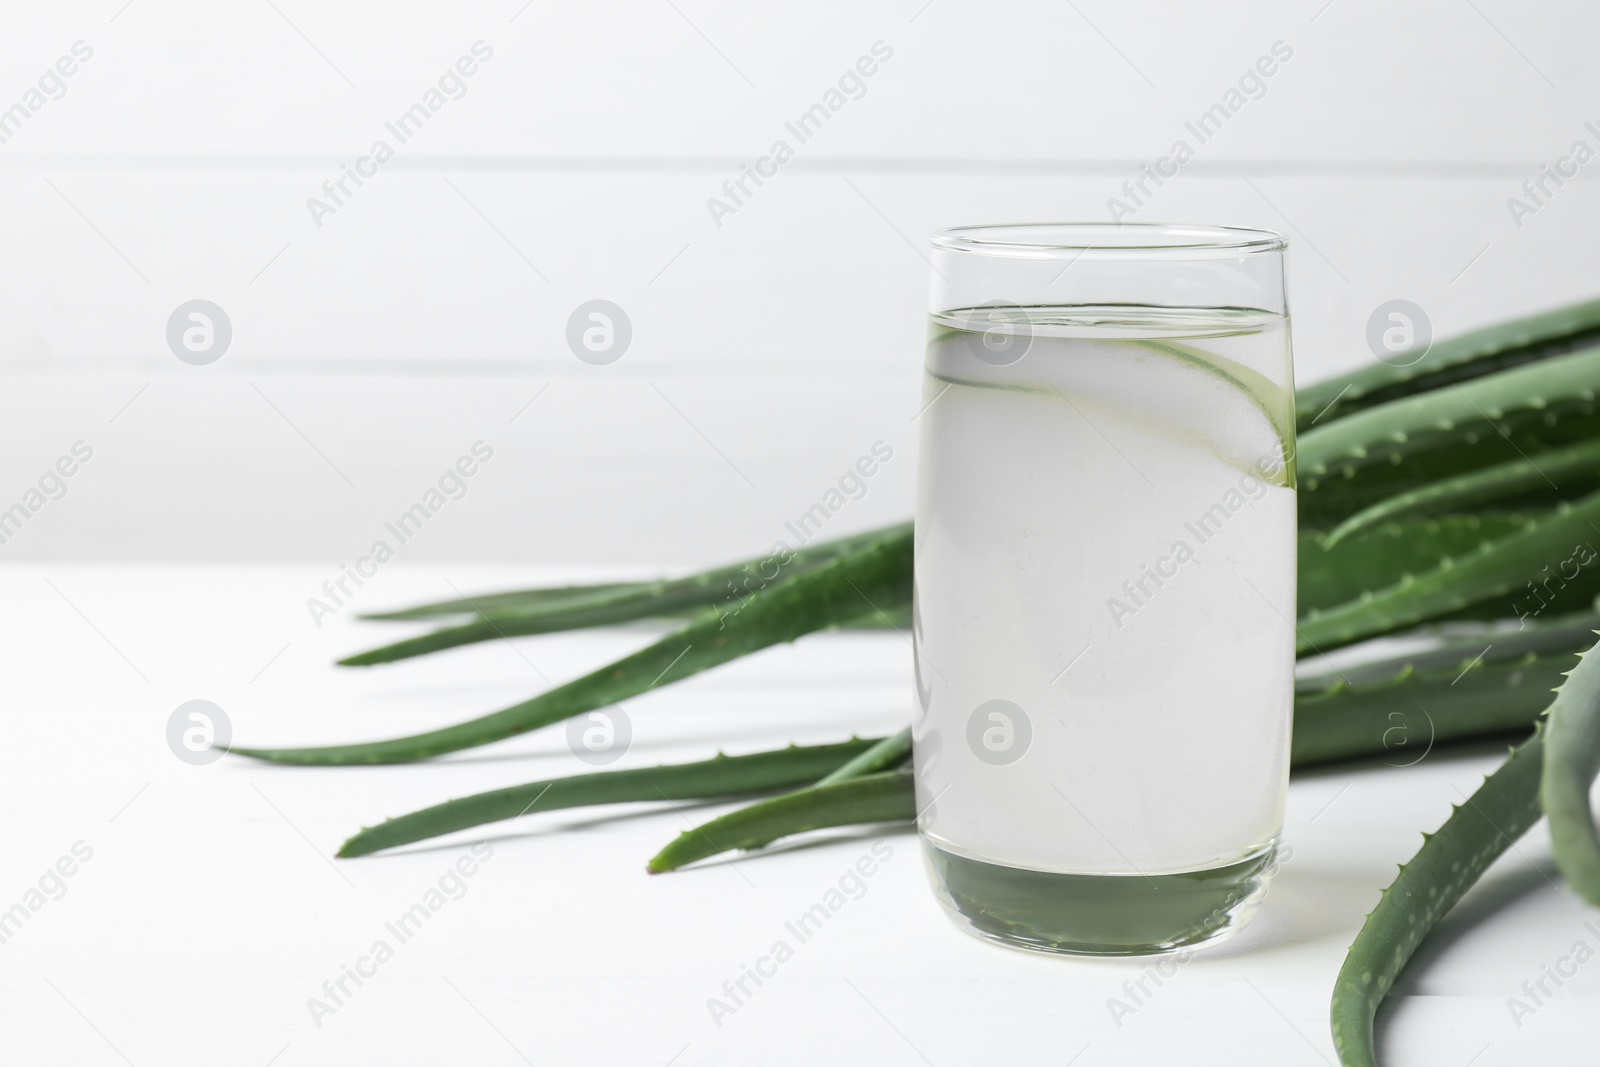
x: 1099, y: 914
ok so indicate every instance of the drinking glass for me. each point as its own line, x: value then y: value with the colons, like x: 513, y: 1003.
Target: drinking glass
x: 1105, y: 582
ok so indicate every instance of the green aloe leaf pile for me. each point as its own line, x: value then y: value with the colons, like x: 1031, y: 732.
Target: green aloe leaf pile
x: 1454, y: 499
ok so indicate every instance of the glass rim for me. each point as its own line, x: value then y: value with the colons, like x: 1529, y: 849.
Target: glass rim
x: 1108, y: 240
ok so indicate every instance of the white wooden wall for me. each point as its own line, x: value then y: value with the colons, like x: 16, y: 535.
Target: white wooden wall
x: 769, y: 352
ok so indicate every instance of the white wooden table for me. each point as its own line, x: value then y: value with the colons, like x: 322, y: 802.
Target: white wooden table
x: 210, y: 912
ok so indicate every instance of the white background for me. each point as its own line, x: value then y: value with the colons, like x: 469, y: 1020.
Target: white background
x: 767, y: 355
x: 211, y: 912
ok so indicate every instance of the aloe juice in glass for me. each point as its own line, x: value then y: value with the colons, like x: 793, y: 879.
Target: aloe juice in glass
x: 1105, y: 582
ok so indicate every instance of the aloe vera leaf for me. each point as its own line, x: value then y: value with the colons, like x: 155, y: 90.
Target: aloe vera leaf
x: 1327, y: 502
x: 886, y: 755
x: 491, y: 627
x: 1387, y: 553
x: 1466, y: 491
x: 716, y: 777
x: 892, y: 619
x: 508, y: 603
x: 884, y: 797
x: 834, y: 592
x: 720, y: 776
x: 1444, y: 418
x: 1457, y: 647
x: 511, y: 603
x: 1449, y: 862
x: 886, y: 616
x: 1571, y: 761
x: 708, y: 588
x: 1469, y: 355
x: 1405, y: 716
x: 1492, y: 569
x: 576, y: 615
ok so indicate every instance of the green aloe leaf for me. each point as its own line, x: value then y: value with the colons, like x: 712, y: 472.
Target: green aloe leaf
x: 1503, y: 567
x: 1461, y: 358
x: 707, y: 594
x: 1451, y: 648
x: 1407, y: 444
x: 1449, y: 863
x: 1383, y: 555
x: 1404, y: 717
x: 884, y: 797
x: 716, y: 777
x: 886, y: 755
x: 1571, y: 762
x: 1487, y: 485
x: 826, y: 596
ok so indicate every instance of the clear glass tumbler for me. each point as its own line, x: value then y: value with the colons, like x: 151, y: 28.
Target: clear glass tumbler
x: 1105, y: 582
